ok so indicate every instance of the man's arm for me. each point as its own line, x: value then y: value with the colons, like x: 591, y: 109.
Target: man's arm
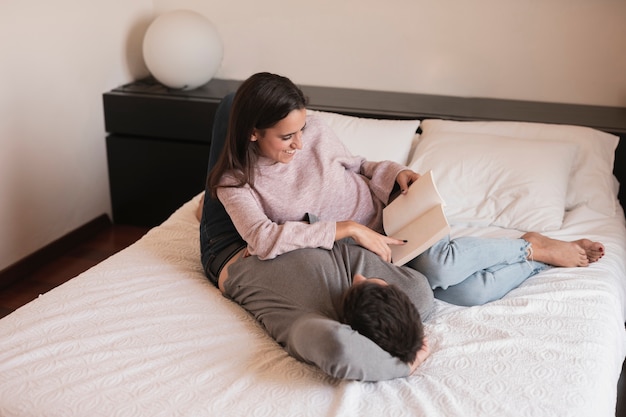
x: 340, y: 351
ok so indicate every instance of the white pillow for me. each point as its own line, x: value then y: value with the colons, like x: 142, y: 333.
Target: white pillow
x: 374, y: 139
x: 494, y: 180
x: 592, y: 181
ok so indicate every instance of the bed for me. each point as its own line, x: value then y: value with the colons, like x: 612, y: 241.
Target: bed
x: 144, y: 333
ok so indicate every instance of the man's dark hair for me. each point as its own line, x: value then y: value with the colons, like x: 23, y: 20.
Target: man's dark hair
x: 385, y: 315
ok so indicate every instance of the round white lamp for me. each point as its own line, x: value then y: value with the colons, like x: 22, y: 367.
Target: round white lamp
x: 182, y: 49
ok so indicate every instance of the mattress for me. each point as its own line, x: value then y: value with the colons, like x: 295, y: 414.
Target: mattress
x: 145, y: 334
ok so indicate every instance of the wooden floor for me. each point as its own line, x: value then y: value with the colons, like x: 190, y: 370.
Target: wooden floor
x: 74, y: 261
x: 99, y: 247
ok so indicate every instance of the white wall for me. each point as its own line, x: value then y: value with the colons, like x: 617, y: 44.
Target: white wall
x: 57, y: 58
x: 571, y: 51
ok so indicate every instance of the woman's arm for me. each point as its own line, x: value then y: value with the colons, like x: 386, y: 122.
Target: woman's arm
x: 268, y: 239
x: 367, y: 238
x: 383, y: 176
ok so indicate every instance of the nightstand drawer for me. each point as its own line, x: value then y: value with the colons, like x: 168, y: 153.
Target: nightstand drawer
x: 159, y: 116
x: 151, y: 178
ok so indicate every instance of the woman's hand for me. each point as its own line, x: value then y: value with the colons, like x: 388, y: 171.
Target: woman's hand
x: 421, y: 356
x: 368, y: 238
x: 406, y: 178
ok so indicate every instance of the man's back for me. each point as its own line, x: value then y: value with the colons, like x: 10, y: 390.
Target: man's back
x: 303, y: 289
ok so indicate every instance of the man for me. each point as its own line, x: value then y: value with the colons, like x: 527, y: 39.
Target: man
x: 319, y: 305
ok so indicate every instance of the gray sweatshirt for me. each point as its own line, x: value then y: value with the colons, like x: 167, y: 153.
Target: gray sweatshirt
x: 297, y: 297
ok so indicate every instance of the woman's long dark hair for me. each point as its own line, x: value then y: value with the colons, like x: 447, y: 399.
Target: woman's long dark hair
x: 261, y: 101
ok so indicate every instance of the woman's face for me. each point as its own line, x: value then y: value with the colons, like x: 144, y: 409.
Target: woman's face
x: 281, y: 141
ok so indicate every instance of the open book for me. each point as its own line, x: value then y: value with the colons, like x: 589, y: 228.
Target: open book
x: 416, y: 217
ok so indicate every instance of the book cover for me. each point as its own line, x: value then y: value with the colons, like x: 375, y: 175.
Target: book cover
x: 417, y: 217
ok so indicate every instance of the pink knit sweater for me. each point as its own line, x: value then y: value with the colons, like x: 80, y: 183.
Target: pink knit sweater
x: 323, y: 179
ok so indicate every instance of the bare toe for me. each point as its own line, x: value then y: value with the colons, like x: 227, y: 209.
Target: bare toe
x: 593, y: 250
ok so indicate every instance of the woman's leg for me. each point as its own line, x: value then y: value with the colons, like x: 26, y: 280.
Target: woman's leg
x: 217, y: 232
x: 489, y: 284
x: 450, y: 262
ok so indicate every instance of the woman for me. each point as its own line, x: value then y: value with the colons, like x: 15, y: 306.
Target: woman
x: 280, y: 168
x: 304, y: 314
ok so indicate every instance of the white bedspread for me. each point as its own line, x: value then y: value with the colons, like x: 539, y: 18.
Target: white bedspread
x: 145, y: 334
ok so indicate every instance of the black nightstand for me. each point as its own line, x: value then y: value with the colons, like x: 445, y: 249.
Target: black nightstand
x: 158, y: 147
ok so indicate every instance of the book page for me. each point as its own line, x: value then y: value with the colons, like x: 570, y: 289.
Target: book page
x: 420, y: 234
x: 421, y: 196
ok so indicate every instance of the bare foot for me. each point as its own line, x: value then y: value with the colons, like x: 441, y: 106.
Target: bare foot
x: 561, y: 253
x: 594, y: 250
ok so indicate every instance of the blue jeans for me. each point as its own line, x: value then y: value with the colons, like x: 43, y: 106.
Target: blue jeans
x: 474, y: 270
